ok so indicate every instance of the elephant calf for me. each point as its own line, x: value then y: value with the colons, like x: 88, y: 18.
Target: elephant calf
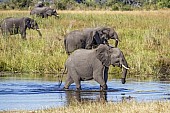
x: 85, y: 64
x: 11, y: 26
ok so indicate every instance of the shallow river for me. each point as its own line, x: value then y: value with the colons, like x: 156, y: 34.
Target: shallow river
x: 19, y: 93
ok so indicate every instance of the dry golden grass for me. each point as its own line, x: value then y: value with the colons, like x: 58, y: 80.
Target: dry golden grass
x: 101, y: 107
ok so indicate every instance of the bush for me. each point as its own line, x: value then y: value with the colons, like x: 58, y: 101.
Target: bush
x: 126, y: 8
x: 163, y: 4
x: 3, y: 6
x: 115, y: 7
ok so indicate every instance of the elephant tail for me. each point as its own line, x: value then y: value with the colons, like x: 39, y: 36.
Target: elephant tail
x: 66, y: 46
x: 61, y: 76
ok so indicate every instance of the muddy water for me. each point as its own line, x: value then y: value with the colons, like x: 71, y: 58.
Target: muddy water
x: 31, y: 94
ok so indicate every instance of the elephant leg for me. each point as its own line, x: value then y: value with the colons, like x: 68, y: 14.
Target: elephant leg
x: 98, y: 77
x: 77, y: 82
x: 4, y: 33
x: 76, y: 79
x: 106, y: 74
x: 45, y: 15
x: 68, y: 82
x: 23, y: 35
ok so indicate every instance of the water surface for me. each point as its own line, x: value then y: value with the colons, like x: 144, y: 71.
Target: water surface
x: 36, y: 93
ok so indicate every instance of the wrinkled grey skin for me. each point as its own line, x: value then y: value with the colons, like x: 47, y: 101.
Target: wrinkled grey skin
x: 44, y: 12
x: 89, y: 38
x: 12, y: 26
x: 85, y: 64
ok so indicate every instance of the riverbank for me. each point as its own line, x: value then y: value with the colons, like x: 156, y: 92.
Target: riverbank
x: 110, y: 107
x: 144, y: 39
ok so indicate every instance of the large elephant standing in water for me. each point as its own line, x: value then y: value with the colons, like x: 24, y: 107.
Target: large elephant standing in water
x: 89, y: 38
x: 11, y: 26
x: 85, y: 64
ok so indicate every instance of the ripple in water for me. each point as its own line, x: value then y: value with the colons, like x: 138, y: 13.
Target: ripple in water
x: 36, y: 94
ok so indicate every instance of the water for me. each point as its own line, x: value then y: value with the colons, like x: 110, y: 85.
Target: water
x: 32, y: 94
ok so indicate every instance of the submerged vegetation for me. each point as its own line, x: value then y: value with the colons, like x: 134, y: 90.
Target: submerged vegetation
x: 144, y: 35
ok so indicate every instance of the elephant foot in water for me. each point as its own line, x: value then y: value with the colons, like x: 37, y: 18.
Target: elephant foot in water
x: 65, y: 88
x: 77, y: 89
x: 104, y: 87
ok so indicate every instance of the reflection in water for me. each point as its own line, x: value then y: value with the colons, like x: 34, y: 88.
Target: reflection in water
x: 30, y: 94
x: 80, y: 96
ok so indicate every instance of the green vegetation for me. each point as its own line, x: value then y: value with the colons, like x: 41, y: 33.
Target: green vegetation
x: 124, y: 5
x: 144, y: 39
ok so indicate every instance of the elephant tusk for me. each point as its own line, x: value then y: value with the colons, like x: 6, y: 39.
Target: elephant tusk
x: 125, y: 67
x: 117, y: 40
x: 38, y: 29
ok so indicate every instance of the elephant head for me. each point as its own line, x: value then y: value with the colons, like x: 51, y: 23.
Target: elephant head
x: 101, y: 35
x: 112, y: 56
x: 51, y: 12
x: 107, y: 33
x: 32, y: 24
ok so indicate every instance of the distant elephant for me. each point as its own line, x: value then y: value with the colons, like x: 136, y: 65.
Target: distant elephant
x: 39, y: 4
x: 44, y: 12
x: 85, y: 64
x: 12, y: 26
x: 89, y: 38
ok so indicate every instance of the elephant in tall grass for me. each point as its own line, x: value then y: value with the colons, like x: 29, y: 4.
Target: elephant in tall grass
x: 85, y: 64
x: 39, y: 4
x: 12, y: 26
x: 44, y: 12
x: 89, y: 38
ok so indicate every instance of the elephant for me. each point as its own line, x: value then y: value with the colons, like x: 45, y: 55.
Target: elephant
x: 89, y: 38
x: 12, y: 26
x: 85, y: 96
x: 84, y: 64
x: 39, y: 4
x: 44, y: 12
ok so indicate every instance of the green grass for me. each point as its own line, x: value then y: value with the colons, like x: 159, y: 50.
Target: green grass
x: 144, y: 35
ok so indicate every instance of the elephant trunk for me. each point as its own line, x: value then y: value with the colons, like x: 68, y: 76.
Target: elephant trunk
x: 56, y: 16
x: 116, y: 39
x: 125, y: 67
x: 38, y: 30
x: 124, y: 73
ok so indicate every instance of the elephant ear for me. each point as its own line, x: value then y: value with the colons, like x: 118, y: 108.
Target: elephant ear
x: 102, y: 53
x: 96, y: 37
x: 27, y: 22
x: 49, y: 12
x: 106, y: 31
x: 93, y: 39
